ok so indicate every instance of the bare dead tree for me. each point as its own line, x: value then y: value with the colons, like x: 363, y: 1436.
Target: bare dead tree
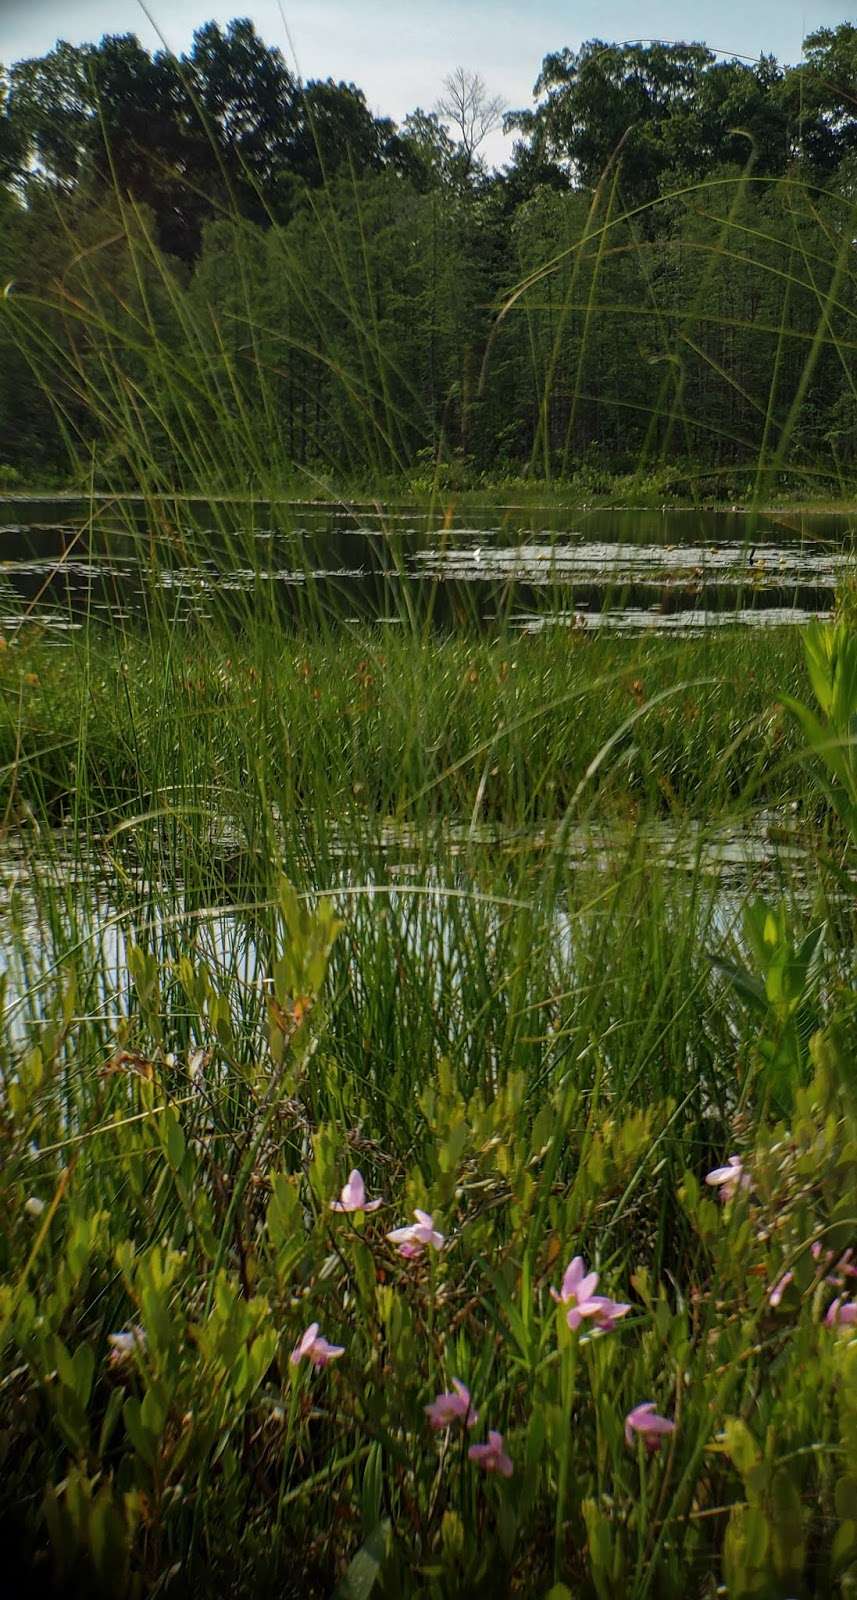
x: 467, y: 105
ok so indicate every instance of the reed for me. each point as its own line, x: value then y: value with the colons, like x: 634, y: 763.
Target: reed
x: 301, y: 898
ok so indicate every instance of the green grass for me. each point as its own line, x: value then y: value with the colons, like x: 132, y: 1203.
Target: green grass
x: 359, y: 721
x: 675, y: 488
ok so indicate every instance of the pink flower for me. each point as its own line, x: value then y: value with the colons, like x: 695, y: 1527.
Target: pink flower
x: 842, y: 1313
x: 608, y: 1313
x: 578, y: 1294
x: 412, y: 1240
x: 729, y: 1179
x: 491, y: 1457
x: 843, y: 1269
x: 314, y: 1345
x: 448, y: 1408
x: 780, y: 1288
x: 644, y: 1420
x: 353, y: 1196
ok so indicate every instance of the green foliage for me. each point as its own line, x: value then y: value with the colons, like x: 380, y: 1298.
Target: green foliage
x: 199, y: 1404
x: 505, y: 727
x: 831, y: 658
x: 157, y: 1410
x: 780, y: 989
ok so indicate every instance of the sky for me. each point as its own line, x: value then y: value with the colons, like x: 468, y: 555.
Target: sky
x: 398, y: 51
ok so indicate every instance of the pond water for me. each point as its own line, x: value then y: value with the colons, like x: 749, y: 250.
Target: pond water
x: 58, y: 904
x: 534, y: 567
x: 62, y: 560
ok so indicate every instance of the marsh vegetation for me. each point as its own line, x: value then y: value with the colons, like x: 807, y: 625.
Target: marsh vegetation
x: 427, y: 1096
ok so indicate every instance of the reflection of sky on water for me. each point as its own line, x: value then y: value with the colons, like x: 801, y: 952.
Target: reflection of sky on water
x: 622, y: 569
x: 54, y: 905
x: 633, y: 619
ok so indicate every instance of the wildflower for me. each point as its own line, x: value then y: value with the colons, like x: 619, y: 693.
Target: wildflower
x: 353, y: 1196
x: 644, y: 1421
x: 123, y: 1345
x: 578, y: 1294
x: 315, y: 1346
x: 34, y: 1207
x: 729, y: 1179
x: 449, y: 1407
x: 491, y: 1457
x: 412, y: 1240
x: 780, y: 1288
x: 842, y: 1313
x: 840, y: 1269
x: 608, y: 1313
x: 577, y: 1291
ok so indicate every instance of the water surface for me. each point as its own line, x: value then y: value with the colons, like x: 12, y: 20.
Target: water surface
x: 629, y: 570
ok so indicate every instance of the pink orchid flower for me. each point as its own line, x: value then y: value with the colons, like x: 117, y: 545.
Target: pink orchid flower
x: 412, y: 1240
x: 578, y: 1294
x: 608, y: 1313
x: 353, y: 1196
x: 316, y: 1347
x: 644, y: 1421
x: 843, y: 1269
x: 491, y: 1457
x: 842, y: 1313
x: 452, y: 1407
x: 780, y: 1288
x: 577, y: 1291
x: 729, y: 1179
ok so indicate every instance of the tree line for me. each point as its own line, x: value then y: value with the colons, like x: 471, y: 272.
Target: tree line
x: 663, y: 273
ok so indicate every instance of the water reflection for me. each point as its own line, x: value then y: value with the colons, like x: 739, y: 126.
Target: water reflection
x: 61, y: 561
x: 57, y: 904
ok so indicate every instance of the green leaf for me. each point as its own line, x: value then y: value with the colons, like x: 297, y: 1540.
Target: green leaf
x: 372, y: 1488
x: 111, y: 1417
x: 174, y: 1140
x: 741, y: 1447
x: 83, y: 1369
x: 844, y: 1550
x: 787, y: 1543
x: 846, y: 1499
x: 145, y: 1444
x: 746, y: 986
x: 450, y: 1152
x: 363, y: 1570
x: 535, y: 1439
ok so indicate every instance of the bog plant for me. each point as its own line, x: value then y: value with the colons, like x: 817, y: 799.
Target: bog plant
x: 407, y: 1192
x: 248, y: 1342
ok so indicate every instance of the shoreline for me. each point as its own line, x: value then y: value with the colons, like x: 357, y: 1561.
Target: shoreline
x: 464, y: 497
